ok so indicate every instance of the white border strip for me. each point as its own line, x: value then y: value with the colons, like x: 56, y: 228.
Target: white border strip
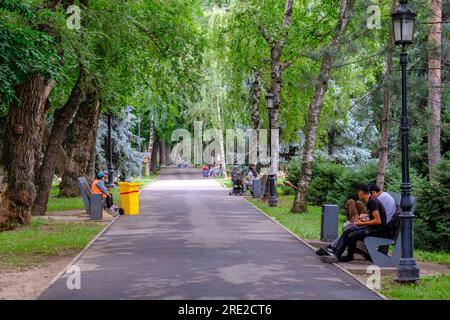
x: 78, y: 256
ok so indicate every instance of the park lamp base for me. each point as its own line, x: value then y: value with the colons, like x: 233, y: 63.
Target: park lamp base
x: 407, y: 271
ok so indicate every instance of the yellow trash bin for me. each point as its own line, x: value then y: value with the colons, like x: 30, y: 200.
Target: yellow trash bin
x: 129, y: 197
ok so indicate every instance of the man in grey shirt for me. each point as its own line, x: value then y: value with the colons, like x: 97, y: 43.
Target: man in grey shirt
x: 386, y: 199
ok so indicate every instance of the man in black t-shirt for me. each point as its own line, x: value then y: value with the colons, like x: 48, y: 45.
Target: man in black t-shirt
x: 375, y: 225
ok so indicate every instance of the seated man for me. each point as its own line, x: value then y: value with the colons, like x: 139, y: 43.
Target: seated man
x: 252, y: 175
x: 375, y: 225
x: 354, y: 210
x: 385, y: 198
x: 99, y: 187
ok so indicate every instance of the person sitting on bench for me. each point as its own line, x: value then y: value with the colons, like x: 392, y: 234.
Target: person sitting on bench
x: 386, y: 199
x: 354, y: 209
x: 375, y: 225
x: 252, y: 175
x: 99, y: 187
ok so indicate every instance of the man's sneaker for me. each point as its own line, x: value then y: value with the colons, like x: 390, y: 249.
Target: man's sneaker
x: 322, y: 251
x: 330, y: 249
x: 329, y: 259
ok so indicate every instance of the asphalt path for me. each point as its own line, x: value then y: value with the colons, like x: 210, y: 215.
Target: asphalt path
x: 193, y: 241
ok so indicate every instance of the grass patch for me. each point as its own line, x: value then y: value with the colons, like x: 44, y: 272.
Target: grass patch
x: 306, y: 226
x: 29, y: 246
x: 56, y: 203
x: 427, y: 288
x: 440, y: 257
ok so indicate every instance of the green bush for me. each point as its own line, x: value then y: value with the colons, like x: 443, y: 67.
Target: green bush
x: 345, y: 186
x: 325, y: 175
x: 432, y: 222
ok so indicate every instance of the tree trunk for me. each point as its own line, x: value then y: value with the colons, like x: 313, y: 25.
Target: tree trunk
x: 256, y: 95
x: 162, y: 153
x: 331, y: 141
x: 80, y: 143
x: 221, y: 140
x: 276, y: 70
x: 62, y: 118
x: 255, y: 115
x: 384, y: 140
x: 21, y: 140
x: 154, y: 157
x: 167, y: 154
x: 315, y: 107
x: 434, y: 85
x: 41, y: 136
x: 151, y: 144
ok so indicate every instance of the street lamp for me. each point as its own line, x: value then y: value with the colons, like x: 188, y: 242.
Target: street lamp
x: 273, y: 201
x: 111, y: 184
x: 403, y: 23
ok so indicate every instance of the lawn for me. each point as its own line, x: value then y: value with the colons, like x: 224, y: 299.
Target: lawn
x: 306, y: 226
x: 427, y: 288
x: 56, y: 203
x: 30, y: 246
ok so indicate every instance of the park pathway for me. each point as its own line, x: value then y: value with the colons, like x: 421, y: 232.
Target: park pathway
x: 193, y: 241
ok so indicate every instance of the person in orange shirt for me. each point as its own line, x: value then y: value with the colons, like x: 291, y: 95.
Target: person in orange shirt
x: 99, y: 187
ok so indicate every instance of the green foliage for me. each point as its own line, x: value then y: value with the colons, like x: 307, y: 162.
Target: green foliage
x: 24, y: 51
x: 325, y: 175
x: 17, y: 6
x: 432, y: 222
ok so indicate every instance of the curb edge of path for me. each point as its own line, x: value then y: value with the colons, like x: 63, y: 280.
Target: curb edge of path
x: 78, y: 256
x: 312, y: 248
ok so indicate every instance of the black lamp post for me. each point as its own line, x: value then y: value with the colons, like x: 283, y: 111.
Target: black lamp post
x: 111, y: 184
x: 273, y: 201
x: 403, y: 22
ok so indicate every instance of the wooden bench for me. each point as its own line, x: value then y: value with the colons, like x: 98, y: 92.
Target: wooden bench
x: 378, y: 248
x: 93, y: 203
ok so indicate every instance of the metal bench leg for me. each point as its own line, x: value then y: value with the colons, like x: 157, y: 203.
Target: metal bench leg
x: 379, y: 258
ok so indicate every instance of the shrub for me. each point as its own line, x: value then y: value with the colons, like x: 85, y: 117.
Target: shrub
x: 432, y: 221
x: 345, y: 186
x: 325, y: 174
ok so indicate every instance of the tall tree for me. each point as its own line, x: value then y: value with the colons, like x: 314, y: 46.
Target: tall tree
x: 61, y: 120
x: 29, y: 64
x: 24, y: 121
x: 151, y: 145
x: 384, y: 138
x: 315, y: 108
x: 276, y: 46
x: 434, y: 85
x: 80, y: 142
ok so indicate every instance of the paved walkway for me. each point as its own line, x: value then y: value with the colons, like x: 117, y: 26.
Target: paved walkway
x: 193, y: 241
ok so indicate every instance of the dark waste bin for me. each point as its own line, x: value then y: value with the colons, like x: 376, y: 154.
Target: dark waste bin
x: 329, y: 223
